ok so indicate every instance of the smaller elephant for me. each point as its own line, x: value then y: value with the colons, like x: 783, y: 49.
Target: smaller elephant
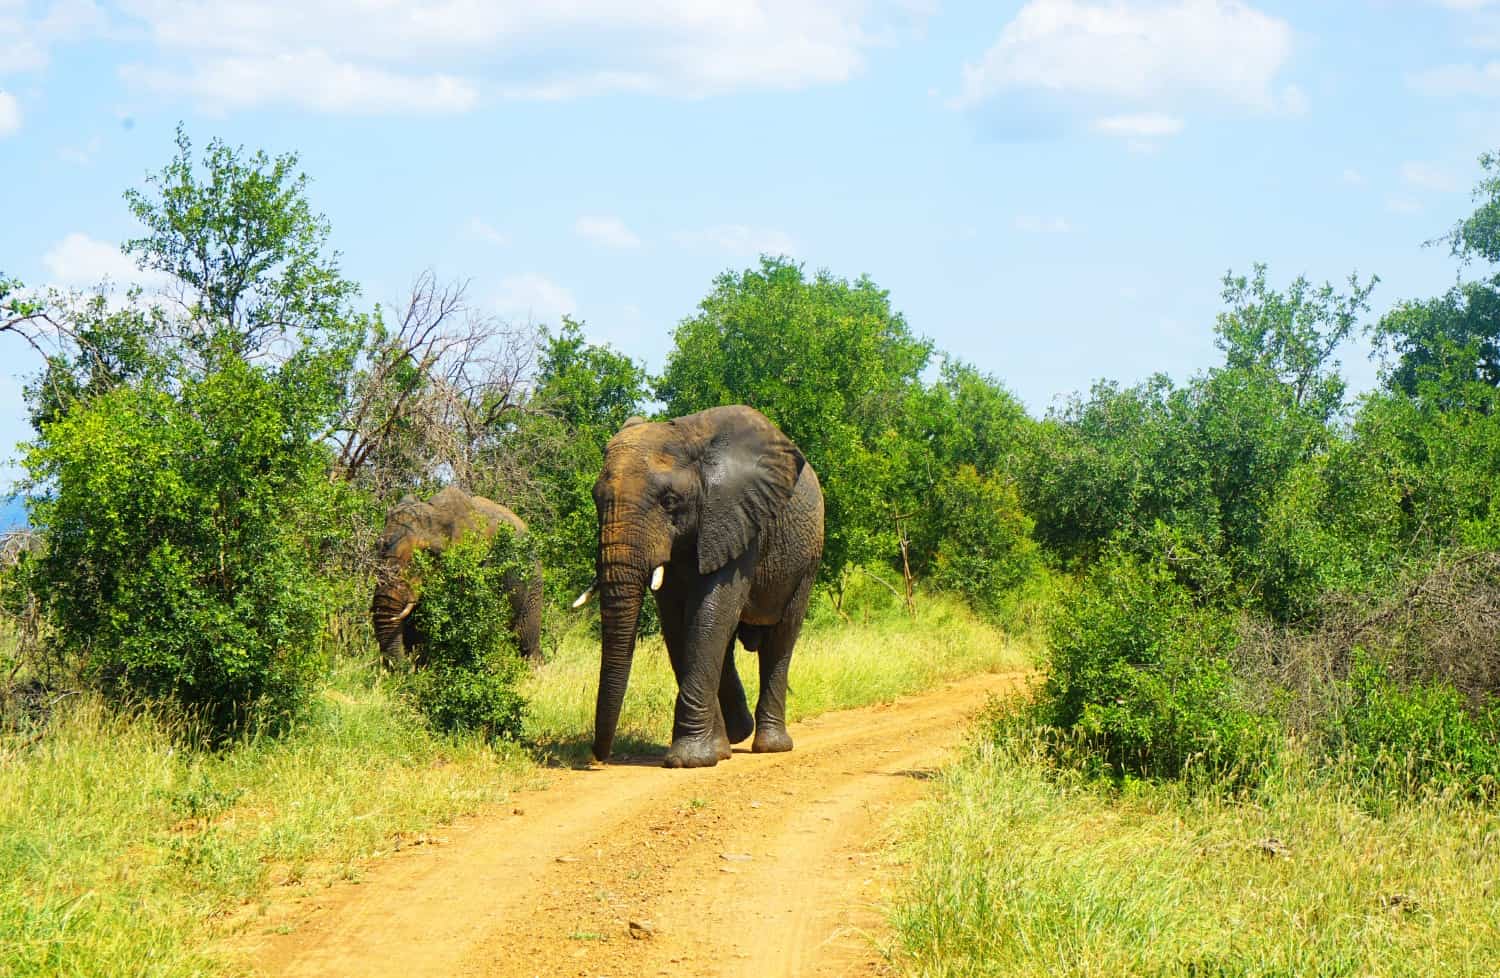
x: 413, y: 525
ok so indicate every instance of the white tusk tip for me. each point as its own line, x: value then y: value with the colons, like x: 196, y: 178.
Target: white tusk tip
x: 656, y: 577
x: 583, y: 598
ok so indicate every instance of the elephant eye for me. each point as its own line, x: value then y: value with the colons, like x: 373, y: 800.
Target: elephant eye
x: 670, y: 501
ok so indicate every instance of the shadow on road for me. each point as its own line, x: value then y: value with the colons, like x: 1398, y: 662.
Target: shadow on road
x: 576, y: 753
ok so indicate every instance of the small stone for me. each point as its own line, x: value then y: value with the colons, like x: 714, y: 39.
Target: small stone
x: 755, y: 804
x: 1399, y: 902
x: 736, y: 857
x: 1273, y: 847
x: 567, y: 859
x: 728, y: 869
x: 642, y: 930
x: 518, y: 811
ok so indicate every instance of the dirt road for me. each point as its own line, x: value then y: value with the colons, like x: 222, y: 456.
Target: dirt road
x: 765, y: 865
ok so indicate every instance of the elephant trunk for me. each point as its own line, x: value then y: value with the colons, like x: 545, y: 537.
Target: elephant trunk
x: 622, y: 588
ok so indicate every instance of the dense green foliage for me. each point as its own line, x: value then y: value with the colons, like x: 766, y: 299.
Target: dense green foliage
x: 1415, y: 739
x: 584, y: 394
x: 471, y: 668
x: 1141, y: 677
x: 178, y: 477
x: 976, y: 537
x: 1229, y: 530
x: 829, y: 362
x: 180, y: 542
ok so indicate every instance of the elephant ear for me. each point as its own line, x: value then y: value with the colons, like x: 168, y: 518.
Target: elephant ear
x: 749, y: 471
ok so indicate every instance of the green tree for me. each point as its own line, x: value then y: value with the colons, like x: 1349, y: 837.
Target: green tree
x: 1292, y: 335
x: 589, y: 387
x: 1427, y: 339
x: 828, y: 361
x: 179, y: 473
x: 979, y: 537
x: 247, y: 256
x: 584, y: 394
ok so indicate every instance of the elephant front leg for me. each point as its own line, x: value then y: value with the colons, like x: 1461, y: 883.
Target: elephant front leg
x: 699, y: 734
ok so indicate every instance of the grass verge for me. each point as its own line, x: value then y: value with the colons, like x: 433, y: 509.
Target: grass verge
x: 1019, y: 870
x: 118, y: 849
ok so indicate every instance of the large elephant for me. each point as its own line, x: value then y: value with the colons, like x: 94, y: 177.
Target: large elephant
x: 413, y: 525
x: 720, y: 515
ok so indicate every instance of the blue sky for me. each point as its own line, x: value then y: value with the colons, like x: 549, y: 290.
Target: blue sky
x: 1050, y: 189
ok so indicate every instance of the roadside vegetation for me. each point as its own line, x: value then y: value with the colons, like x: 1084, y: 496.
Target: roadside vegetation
x: 1268, y: 738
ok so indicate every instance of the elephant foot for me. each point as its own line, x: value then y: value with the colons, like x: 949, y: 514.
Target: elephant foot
x: 739, y: 727
x: 697, y: 752
x: 771, y: 740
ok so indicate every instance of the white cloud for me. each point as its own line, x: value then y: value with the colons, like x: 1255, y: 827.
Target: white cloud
x: 610, y: 232
x: 1429, y: 176
x: 437, y: 52
x: 486, y: 232
x: 29, y: 31
x: 1146, y: 124
x: 10, y: 114
x: 534, y: 298
x: 1454, y: 80
x: 79, y: 261
x: 308, y: 78
x: 1403, y: 205
x: 82, y: 155
x: 1142, y: 56
x: 1352, y: 177
x: 1032, y: 224
x: 738, y: 239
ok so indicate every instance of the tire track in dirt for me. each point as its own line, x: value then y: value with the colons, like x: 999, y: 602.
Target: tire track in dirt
x: 766, y: 865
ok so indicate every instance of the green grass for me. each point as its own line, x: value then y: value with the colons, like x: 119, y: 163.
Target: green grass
x: 836, y: 665
x: 1017, y: 870
x: 122, y: 853
x: 118, y: 848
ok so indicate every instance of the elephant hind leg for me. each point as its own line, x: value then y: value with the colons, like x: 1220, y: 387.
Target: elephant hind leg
x: 771, y: 735
x: 738, y: 723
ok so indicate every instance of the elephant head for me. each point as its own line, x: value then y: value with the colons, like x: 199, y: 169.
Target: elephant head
x: 409, y: 528
x: 412, y: 526
x: 687, y: 496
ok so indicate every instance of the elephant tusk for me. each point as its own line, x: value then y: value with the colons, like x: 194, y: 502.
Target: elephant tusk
x: 656, y: 577
x: 404, y: 612
x: 583, y: 598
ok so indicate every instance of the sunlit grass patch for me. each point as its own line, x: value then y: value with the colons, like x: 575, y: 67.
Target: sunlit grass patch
x: 118, y: 848
x: 1018, y: 870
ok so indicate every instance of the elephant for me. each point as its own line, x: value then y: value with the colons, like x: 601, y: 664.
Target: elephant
x: 719, y: 514
x: 413, y: 525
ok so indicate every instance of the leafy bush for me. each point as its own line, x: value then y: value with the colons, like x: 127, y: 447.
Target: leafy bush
x: 984, y: 547
x: 1334, y: 525
x: 473, y: 666
x: 1415, y: 739
x: 1141, y: 679
x: 830, y: 362
x: 179, y: 558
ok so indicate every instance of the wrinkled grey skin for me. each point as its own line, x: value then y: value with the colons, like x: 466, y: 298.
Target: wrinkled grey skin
x: 728, y: 504
x: 413, y: 525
